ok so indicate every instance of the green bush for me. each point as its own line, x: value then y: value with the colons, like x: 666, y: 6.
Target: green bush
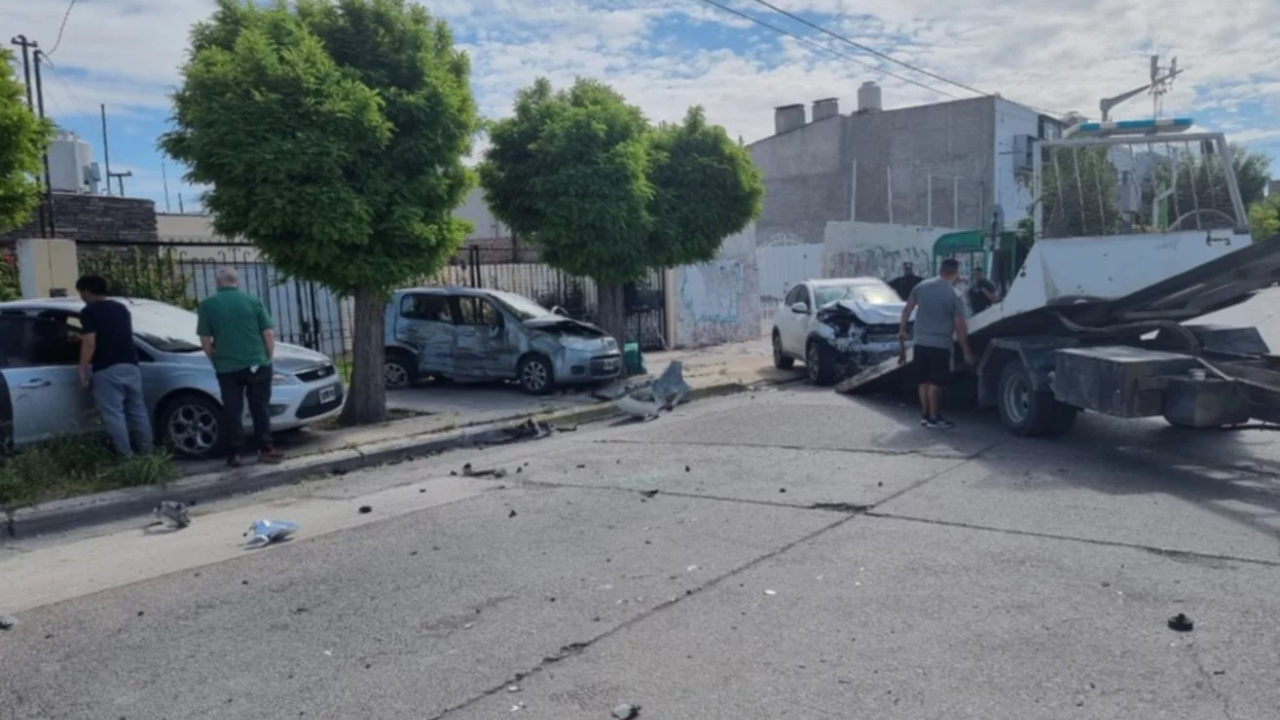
x: 10, y: 288
x: 72, y: 466
x: 142, y: 273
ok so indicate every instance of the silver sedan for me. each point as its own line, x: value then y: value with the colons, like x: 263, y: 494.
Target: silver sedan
x: 40, y: 396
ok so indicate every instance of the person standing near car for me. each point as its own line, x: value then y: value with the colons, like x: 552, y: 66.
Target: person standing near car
x: 109, y: 367
x: 905, y: 283
x: 982, y: 292
x: 239, y: 339
x: 940, y: 316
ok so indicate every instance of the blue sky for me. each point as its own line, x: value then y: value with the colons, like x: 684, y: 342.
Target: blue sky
x: 665, y: 55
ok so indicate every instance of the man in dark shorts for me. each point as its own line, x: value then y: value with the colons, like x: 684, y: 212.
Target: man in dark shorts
x: 905, y: 283
x: 939, y: 315
x: 109, y: 367
x: 982, y: 292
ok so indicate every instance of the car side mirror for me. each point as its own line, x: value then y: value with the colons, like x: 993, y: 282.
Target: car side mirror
x: 495, y: 330
x: 557, y: 310
x: 800, y: 308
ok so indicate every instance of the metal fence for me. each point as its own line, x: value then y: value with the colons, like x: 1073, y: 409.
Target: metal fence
x: 183, y: 273
x: 311, y: 315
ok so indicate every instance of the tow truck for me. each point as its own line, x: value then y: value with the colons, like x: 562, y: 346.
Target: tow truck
x: 1096, y: 315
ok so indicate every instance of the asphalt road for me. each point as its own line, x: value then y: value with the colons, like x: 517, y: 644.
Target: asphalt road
x: 806, y: 555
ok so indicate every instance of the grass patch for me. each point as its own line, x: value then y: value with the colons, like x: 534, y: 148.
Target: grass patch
x: 69, y: 467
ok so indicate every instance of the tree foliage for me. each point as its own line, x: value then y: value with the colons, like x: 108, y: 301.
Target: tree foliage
x: 1201, y: 197
x: 23, y: 141
x: 1079, y: 192
x: 332, y: 134
x: 603, y: 193
x: 1264, y: 218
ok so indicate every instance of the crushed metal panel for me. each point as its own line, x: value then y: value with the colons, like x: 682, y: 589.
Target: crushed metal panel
x: 1117, y: 380
x: 1204, y: 403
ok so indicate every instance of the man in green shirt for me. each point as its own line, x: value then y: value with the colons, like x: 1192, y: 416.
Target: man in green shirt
x: 238, y: 338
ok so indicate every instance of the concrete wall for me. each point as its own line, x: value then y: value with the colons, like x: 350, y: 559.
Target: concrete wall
x: 858, y: 249
x: 475, y: 211
x: 94, y: 217
x: 196, y: 229
x: 804, y: 182
x: 719, y: 301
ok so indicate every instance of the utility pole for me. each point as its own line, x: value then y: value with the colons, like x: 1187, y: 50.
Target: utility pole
x: 106, y: 149
x: 48, y: 185
x: 27, y: 46
x: 164, y: 177
x: 1158, y: 86
x: 120, y: 179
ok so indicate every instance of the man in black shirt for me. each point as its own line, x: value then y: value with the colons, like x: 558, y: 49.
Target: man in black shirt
x: 109, y: 365
x: 907, y: 282
x: 982, y: 292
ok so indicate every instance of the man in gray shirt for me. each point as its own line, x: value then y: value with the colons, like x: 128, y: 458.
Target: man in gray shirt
x: 939, y: 314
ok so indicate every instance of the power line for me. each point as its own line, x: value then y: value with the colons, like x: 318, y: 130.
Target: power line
x: 61, y: 28
x: 826, y: 49
x: 865, y: 48
x: 65, y: 87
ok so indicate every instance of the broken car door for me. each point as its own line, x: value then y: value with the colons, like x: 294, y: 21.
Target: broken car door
x: 426, y: 324
x: 483, y: 348
x: 794, y: 326
x: 42, y: 377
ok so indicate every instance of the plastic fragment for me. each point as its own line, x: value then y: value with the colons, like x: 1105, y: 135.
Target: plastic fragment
x: 173, y: 514
x: 626, y: 712
x: 265, y: 532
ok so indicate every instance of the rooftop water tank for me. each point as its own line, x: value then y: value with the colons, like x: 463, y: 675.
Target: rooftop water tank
x: 70, y: 159
x: 869, y: 99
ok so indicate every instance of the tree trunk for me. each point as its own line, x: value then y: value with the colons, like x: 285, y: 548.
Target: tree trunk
x: 611, y: 311
x: 367, y: 396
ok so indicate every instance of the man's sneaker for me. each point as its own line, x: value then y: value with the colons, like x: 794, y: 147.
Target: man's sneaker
x: 924, y: 421
x: 270, y: 456
x: 234, y: 461
x: 941, y: 422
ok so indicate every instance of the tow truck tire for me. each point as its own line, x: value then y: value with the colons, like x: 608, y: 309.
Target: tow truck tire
x: 819, y: 364
x: 1027, y: 412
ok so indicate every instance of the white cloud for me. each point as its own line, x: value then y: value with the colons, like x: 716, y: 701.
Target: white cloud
x: 668, y: 54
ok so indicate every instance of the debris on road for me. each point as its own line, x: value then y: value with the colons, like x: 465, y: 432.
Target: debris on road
x: 1181, y: 623
x: 265, y: 532
x: 8, y: 622
x: 626, y: 712
x: 770, y: 592
x: 517, y: 707
x: 173, y: 514
x: 365, y: 509
x: 647, y: 401
x: 513, y: 688
x: 512, y: 514
x: 648, y: 493
x: 470, y: 471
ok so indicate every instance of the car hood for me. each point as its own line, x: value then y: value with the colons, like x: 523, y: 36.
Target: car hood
x: 877, y: 314
x: 292, y: 358
x: 564, y: 326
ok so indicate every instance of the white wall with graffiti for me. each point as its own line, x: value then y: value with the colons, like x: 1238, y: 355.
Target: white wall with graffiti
x: 719, y: 301
x: 856, y: 249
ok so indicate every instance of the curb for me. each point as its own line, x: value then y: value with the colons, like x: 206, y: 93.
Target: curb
x: 71, y: 513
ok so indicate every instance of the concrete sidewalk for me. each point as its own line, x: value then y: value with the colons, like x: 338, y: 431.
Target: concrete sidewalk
x: 431, y: 419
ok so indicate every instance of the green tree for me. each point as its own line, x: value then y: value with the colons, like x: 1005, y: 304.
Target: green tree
x: 332, y: 134
x: 23, y: 140
x: 1264, y: 218
x: 603, y: 193
x: 1201, y: 197
x: 1079, y: 192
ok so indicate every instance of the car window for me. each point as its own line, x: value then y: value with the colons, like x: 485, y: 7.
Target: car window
x: 870, y: 292
x: 796, y: 295
x: 477, y: 311
x: 38, y: 342
x: 522, y: 307
x: 426, y: 306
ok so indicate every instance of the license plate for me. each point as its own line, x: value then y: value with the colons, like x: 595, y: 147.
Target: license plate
x: 328, y: 394
x: 610, y: 364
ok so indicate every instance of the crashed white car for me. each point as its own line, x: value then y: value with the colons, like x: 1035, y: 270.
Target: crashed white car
x: 837, y: 327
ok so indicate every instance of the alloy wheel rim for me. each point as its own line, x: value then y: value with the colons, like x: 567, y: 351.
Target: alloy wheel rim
x: 193, y: 429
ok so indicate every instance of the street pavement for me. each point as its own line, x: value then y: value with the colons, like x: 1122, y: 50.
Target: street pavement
x: 791, y: 553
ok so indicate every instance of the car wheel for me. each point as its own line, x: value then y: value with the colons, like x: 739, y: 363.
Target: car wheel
x: 1028, y: 412
x: 780, y: 359
x: 398, y: 371
x: 819, y: 364
x: 191, y: 425
x: 535, y: 375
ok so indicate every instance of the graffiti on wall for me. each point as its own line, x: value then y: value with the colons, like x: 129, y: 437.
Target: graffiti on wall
x: 882, y: 262
x: 718, y: 303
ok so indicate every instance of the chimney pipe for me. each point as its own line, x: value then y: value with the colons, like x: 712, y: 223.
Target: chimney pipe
x: 787, y: 118
x: 825, y: 108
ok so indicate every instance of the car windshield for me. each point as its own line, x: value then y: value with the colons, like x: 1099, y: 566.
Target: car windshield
x: 165, y: 327
x: 870, y: 293
x: 520, y: 306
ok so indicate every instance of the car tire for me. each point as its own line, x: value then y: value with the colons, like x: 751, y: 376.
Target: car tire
x: 535, y: 375
x: 399, y: 371
x: 191, y: 425
x: 819, y: 363
x: 1028, y: 412
x: 780, y: 359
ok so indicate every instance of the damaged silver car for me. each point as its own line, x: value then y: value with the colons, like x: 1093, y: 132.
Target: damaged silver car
x: 837, y: 327
x: 470, y: 335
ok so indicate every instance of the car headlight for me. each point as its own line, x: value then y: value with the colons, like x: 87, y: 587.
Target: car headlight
x: 280, y: 379
x: 610, y: 344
